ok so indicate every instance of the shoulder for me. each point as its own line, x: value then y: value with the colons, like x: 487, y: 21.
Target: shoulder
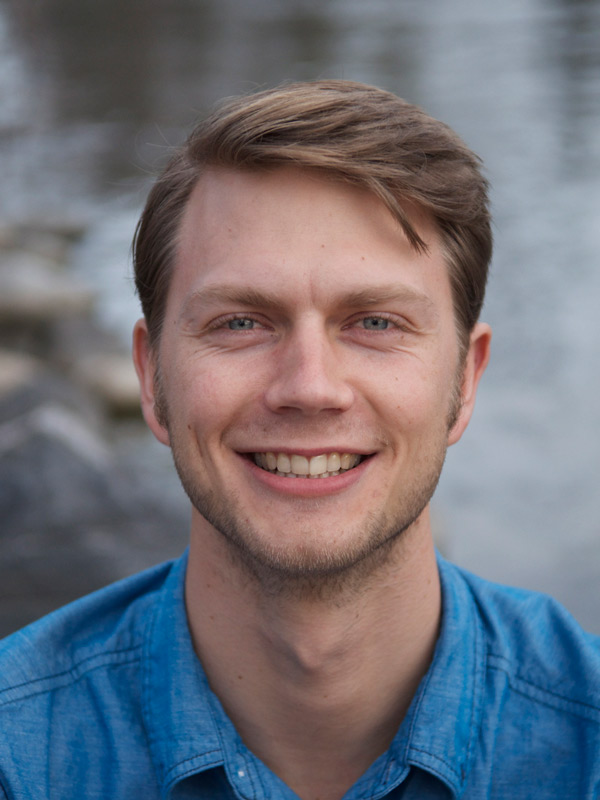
x: 103, y: 628
x: 537, y: 645
x: 537, y: 695
x: 71, y: 688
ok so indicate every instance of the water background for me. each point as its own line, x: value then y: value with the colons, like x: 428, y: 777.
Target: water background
x: 94, y: 94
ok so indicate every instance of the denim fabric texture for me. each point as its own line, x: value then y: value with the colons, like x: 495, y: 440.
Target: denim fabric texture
x: 105, y: 699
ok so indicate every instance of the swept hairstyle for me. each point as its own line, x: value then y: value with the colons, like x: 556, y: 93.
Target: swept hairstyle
x: 359, y: 134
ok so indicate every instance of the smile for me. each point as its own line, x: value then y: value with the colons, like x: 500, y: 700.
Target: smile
x: 289, y: 465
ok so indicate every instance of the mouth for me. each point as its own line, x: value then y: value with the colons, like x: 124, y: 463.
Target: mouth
x: 291, y: 465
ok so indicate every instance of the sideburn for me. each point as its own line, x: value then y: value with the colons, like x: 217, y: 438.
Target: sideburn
x: 456, y: 400
x: 161, y: 411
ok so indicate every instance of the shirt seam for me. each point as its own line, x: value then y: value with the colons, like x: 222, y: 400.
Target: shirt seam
x: 415, y: 715
x: 165, y: 774
x: 480, y: 659
x: 161, y: 774
x: 578, y: 707
x: 249, y: 766
x: 412, y: 748
x: 380, y: 785
x: 76, y: 673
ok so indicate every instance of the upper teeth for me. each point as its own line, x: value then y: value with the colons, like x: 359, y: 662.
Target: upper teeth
x: 292, y: 465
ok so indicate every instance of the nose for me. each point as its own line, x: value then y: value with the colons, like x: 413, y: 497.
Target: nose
x: 308, y: 375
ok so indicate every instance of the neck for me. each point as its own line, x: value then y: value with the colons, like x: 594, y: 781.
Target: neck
x: 315, y: 683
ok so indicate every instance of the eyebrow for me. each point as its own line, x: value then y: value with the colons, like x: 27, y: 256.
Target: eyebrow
x: 371, y: 296
x: 249, y: 297
x: 224, y: 293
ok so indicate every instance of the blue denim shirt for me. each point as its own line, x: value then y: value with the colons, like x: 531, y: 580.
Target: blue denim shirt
x: 106, y: 699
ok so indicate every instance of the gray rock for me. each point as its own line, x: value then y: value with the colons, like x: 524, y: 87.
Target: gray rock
x: 16, y: 371
x: 26, y: 383
x: 33, y: 290
x: 74, y: 515
x: 41, y: 237
x: 112, y: 378
x: 85, y: 498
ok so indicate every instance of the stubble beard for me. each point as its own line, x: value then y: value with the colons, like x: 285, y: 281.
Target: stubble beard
x: 317, y: 572
x: 322, y: 573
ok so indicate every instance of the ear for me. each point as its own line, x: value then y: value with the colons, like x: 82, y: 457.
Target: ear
x: 476, y: 361
x: 144, y: 359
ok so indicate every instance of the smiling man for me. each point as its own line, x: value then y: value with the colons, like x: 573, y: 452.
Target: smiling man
x: 311, y: 266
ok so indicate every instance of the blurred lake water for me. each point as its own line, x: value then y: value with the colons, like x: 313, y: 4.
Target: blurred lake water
x: 93, y: 95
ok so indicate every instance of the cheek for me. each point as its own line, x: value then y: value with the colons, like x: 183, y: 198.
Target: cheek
x: 208, y: 392
x: 422, y: 413
x: 410, y: 400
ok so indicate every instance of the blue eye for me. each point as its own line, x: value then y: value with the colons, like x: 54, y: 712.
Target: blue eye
x: 241, y: 324
x: 375, y: 323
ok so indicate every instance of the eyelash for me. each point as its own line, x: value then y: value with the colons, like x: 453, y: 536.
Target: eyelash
x: 222, y: 322
x: 380, y: 316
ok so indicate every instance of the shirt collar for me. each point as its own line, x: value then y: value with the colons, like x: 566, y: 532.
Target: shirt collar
x: 446, y: 712
x: 187, y: 727
x: 186, y: 723
x: 181, y: 730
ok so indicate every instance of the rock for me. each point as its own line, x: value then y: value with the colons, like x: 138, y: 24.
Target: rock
x: 43, y: 238
x: 44, y: 455
x: 32, y: 290
x: 84, y: 499
x: 113, y: 378
x: 73, y: 517
x: 16, y: 371
x: 26, y: 383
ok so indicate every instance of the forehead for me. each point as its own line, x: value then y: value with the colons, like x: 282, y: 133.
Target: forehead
x: 292, y: 231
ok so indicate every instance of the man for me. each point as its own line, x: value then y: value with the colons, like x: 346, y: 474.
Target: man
x: 311, y: 267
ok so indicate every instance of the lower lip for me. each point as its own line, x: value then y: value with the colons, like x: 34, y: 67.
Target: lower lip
x: 308, y: 487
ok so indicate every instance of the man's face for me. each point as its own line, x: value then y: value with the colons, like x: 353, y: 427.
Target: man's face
x: 303, y: 334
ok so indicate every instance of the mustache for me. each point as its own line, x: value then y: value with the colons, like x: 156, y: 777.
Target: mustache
x: 309, y: 430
